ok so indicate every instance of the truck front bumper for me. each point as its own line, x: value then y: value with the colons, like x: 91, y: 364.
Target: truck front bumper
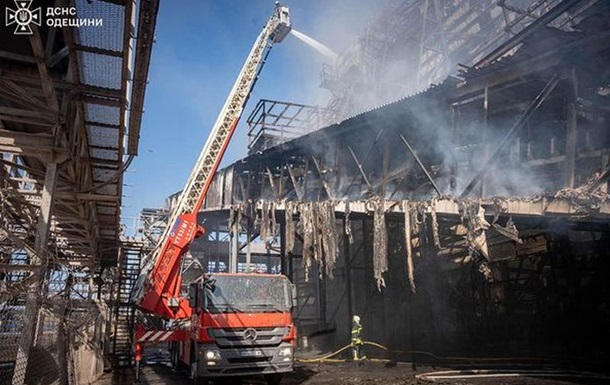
x: 244, y: 361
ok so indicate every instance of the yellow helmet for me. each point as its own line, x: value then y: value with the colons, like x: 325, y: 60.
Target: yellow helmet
x: 356, y: 319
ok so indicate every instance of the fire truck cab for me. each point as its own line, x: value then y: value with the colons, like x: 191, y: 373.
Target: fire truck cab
x: 241, y: 325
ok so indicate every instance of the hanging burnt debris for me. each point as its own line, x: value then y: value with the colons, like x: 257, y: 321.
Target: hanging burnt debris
x: 406, y: 208
x: 308, y: 229
x: 435, y: 236
x: 290, y: 229
x: 348, y: 224
x: 476, y: 233
x: 380, y: 242
x: 319, y: 234
x: 316, y: 224
x: 473, y: 219
x: 328, y: 232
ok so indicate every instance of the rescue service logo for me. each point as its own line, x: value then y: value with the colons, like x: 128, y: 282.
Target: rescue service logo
x: 22, y: 17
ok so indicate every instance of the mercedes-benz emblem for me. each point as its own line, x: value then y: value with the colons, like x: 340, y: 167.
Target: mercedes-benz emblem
x: 250, y: 335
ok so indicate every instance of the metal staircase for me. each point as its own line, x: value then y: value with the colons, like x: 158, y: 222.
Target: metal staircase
x: 131, y: 255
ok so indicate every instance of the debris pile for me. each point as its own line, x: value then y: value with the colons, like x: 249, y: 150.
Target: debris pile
x: 589, y: 195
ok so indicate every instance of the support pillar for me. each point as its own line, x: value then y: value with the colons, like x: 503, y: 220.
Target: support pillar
x: 348, y: 273
x: 283, y: 255
x: 32, y: 307
x: 63, y: 337
x: 234, y: 252
x: 571, y: 130
x: 249, y: 246
x: 454, y: 162
x: 486, y: 137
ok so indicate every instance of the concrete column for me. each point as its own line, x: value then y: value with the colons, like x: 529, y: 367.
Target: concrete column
x: 486, y: 137
x: 455, y: 138
x: 347, y: 255
x: 283, y: 254
x: 249, y: 246
x: 234, y: 253
x: 32, y: 310
x: 605, y: 163
x: 571, y: 131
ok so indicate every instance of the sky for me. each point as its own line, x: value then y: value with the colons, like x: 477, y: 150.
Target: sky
x: 199, y: 50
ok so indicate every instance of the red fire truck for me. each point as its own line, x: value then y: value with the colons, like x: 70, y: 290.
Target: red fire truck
x: 230, y: 324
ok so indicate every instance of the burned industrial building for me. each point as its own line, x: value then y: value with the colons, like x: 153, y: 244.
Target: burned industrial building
x: 452, y: 192
x: 468, y: 219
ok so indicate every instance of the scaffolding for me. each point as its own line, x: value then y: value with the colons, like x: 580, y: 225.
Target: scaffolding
x: 273, y: 122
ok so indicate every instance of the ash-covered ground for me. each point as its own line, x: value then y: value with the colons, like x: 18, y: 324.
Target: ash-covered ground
x: 346, y: 374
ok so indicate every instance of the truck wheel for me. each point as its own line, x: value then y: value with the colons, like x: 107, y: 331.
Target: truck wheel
x: 273, y: 379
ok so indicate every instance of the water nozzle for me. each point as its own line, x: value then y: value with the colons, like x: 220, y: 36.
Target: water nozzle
x: 282, y: 19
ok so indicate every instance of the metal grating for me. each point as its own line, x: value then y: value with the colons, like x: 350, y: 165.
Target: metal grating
x: 102, y: 114
x: 101, y: 70
x: 110, y: 189
x: 102, y: 174
x: 103, y: 154
x: 103, y: 136
x: 110, y: 34
x: 106, y: 210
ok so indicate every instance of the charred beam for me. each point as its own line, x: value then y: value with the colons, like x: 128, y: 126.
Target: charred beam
x: 571, y: 130
x: 359, y: 165
x: 546, y: 91
x: 272, y: 183
x: 316, y: 162
x: 300, y: 193
x: 420, y: 164
x: 527, y: 31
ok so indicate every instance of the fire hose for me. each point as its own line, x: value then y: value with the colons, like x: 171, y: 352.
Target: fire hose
x: 488, y: 373
x: 462, y: 374
x: 327, y: 358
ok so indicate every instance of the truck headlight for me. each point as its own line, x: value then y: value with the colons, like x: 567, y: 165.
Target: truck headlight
x: 212, y: 355
x: 285, y: 352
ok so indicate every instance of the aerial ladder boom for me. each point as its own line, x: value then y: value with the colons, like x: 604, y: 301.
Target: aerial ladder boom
x: 158, y: 287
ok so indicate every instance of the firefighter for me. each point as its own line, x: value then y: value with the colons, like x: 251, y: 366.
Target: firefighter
x: 356, y: 339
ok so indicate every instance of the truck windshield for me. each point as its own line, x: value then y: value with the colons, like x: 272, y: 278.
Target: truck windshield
x: 251, y: 293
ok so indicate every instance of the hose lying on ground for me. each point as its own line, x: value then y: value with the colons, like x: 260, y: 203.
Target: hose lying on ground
x: 462, y: 374
x: 485, y: 373
x: 327, y: 358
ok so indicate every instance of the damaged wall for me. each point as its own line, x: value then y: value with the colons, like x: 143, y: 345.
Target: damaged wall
x: 503, y: 284
x: 545, y: 299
